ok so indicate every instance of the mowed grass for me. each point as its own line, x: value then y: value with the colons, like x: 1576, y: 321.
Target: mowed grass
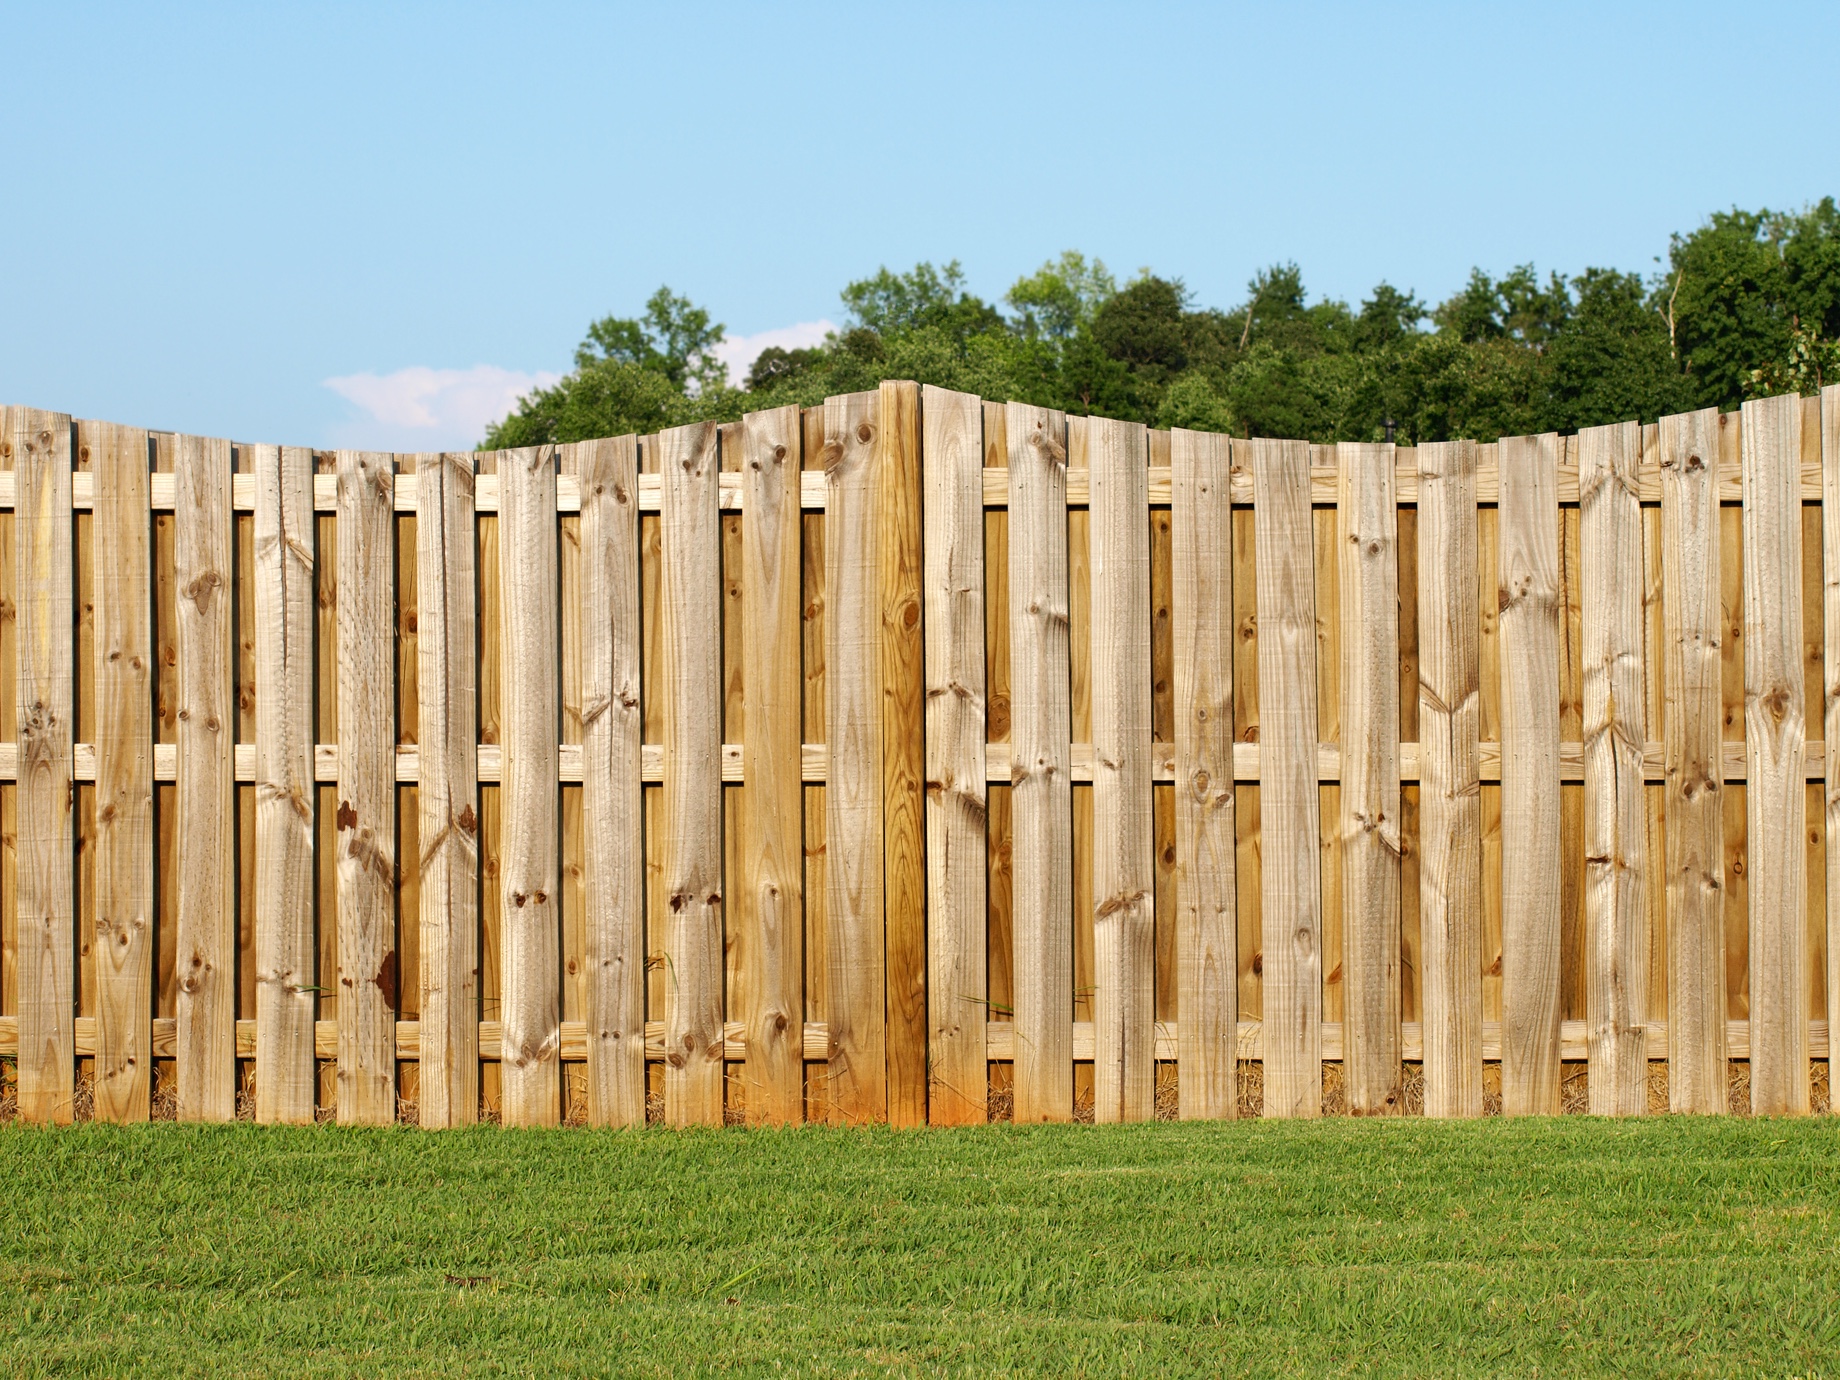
x: 1575, y: 1246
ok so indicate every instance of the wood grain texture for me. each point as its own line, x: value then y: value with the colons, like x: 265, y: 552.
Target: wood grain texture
x: 1615, y: 727
x: 366, y: 823
x: 957, y: 796
x: 46, y: 958
x: 1450, y: 818
x: 285, y: 600
x: 1207, y: 978
x: 690, y: 676
x: 768, y: 923
x: 1830, y: 590
x: 1774, y: 730
x: 121, y: 928
x: 1041, y: 803
x: 1366, y: 540
x: 447, y: 788
x: 613, y: 863
x: 1124, y: 916
x: 903, y: 658
x: 853, y: 873
x: 1691, y: 733
x: 530, y: 843
x: 204, y: 798
x: 1290, y: 828
x: 1531, y: 866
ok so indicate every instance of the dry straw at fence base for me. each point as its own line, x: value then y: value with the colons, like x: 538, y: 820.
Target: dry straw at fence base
x: 957, y: 815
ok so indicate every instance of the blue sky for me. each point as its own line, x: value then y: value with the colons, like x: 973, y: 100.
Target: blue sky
x: 370, y: 225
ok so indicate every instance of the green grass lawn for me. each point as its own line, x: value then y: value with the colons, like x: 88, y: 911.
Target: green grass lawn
x: 1671, y: 1246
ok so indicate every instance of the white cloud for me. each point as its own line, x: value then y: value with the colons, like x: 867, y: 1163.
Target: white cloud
x: 738, y: 352
x: 430, y: 409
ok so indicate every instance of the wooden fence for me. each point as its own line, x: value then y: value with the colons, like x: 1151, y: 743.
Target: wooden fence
x: 911, y: 757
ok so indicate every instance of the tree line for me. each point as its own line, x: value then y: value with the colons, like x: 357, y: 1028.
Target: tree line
x: 1748, y: 304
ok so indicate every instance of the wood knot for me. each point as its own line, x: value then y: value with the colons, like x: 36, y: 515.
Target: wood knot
x: 865, y: 433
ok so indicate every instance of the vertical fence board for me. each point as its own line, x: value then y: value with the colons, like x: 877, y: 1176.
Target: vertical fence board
x: 613, y: 865
x: 1530, y: 865
x: 768, y: 921
x: 530, y: 845
x: 1366, y: 540
x: 956, y: 791
x: 691, y: 680
x: 1207, y: 973
x: 1041, y: 804
x: 366, y: 832
x: 903, y: 748
x: 204, y: 853
x: 1124, y: 916
x: 854, y: 859
x: 447, y: 822
x: 46, y: 837
x: 1450, y: 824
x: 1774, y: 731
x: 1830, y: 560
x: 1291, y: 899
x: 285, y: 599
x: 122, y: 928
x: 1691, y: 732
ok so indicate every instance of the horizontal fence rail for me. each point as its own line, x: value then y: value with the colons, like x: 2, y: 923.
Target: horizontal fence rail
x: 915, y: 758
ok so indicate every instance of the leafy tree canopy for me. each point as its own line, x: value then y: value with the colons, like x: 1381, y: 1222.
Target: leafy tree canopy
x: 1747, y: 304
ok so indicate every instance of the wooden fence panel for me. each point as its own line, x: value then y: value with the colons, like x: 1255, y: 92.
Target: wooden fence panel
x: 46, y: 837
x: 447, y: 822
x: 1366, y: 546
x: 1691, y: 729
x: 1450, y: 823
x: 957, y: 793
x: 1530, y: 790
x: 366, y: 832
x: 122, y: 928
x: 691, y: 681
x: 613, y: 863
x: 1291, y: 901
x: 1124, y: 917
x: 1830, y: 555
x: 1041, y: 765
x: 285, y: 599
x: 204, y: 798
x: 1207, y: 970
x: 1774, y: 734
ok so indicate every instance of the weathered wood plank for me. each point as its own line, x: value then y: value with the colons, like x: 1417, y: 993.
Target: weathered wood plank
x: 1531, y: 864
x: 1124, y: 917
x: 1774, y: 728
x: 767, y: 924
x: 121, y: 929
x: 285, y: 600
x: 1691, y: 732
x: 530, y: 846
x: 1366, y: 537
x: 853, y: 793
x: 1615, y: 727
x: 366, y: 849
x: 956, y: 791
x: 447, y: 820
x: 690, y: 677
x: 903, y: 712
x: 1041, y: 804
x: 46, y: 961
x: 1830, y: 554
x: 1207, y: 987
x: 204, y: 799
x: 613, y: 865
x: 1291, y: 899
x: 1450, y: 822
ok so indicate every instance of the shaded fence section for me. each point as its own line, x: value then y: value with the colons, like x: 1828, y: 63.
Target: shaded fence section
x: 918, y: 758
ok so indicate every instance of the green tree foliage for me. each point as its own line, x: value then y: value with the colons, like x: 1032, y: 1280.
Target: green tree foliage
x: 1748, y: 304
